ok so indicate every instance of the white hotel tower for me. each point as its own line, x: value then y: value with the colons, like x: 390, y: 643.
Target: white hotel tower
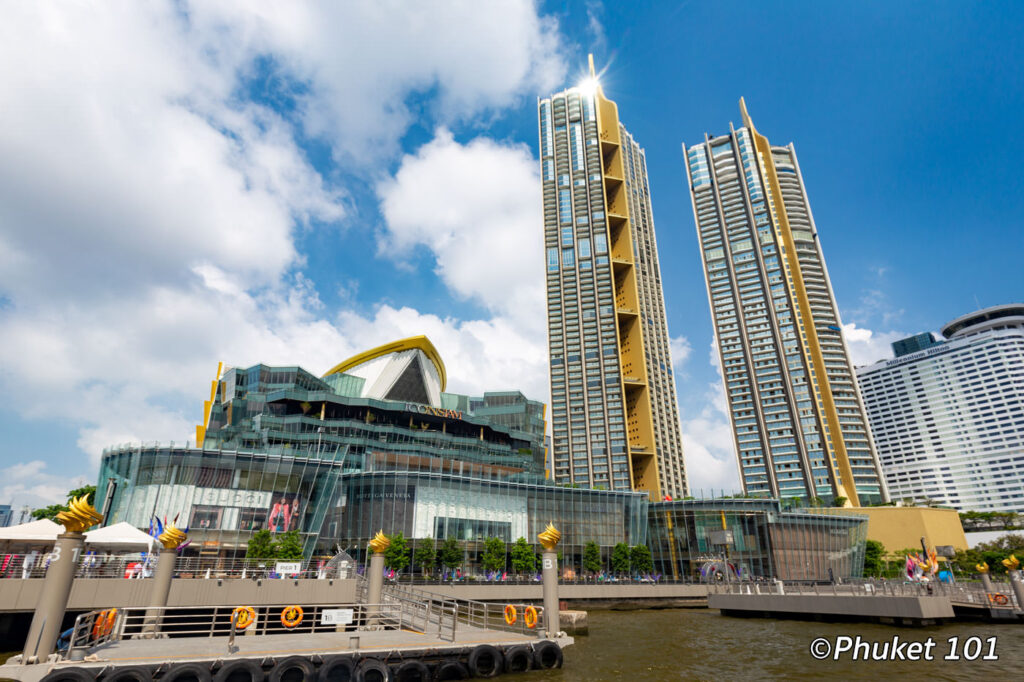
x: 948, y: 421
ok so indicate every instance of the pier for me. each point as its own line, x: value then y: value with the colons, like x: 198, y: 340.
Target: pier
x: 885, y: 602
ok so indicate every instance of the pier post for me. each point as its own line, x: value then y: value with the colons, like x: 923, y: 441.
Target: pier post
x: 549, y: 562
x: 60, y: 575
x: 375, y: 590
x: 1017, y: 582
x: 171, y: 538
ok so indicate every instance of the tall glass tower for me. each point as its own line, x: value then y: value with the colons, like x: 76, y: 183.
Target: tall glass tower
x: 615, y: 422
x: 797, y: 415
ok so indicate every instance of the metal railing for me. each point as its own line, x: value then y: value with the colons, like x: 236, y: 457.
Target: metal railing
x: 1001, y: 594
x: 100, y: 627
x: 137, y: 565
x: 478, y: 614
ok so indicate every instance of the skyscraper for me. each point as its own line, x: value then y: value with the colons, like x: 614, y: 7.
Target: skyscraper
x: 797, y: 416
x: 946, y: 417
x: 615, y: 422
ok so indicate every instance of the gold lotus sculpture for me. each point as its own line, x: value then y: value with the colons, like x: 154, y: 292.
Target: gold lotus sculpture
x: 550, y: 537
x: 1012, y: 564
x: 380, y: 543
x: 982, y: 567
x: 80, y: 515
x: 172, y: 537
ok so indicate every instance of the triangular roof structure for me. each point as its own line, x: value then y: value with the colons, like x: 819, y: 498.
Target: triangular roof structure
x: 118, y: 536
x: 408, y: 370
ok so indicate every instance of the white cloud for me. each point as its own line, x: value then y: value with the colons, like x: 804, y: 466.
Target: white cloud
x: 149, y: 202
x: 477, y: 209
x: 30, y: 483
x: 679, y: 349
x: 364, y: 67
x: 868, y: 347
x: 708, y: 444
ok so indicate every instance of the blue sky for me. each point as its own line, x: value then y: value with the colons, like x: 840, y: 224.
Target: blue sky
x: 187, y: 183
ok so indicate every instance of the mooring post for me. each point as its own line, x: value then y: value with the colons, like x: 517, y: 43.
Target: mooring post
x: 1017, y: 582
x: 374, y: 594
x: 549, y: 563
x: 60, y: 575
x: 171, y: 538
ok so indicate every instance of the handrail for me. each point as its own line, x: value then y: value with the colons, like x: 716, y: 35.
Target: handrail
x: 962, y: 593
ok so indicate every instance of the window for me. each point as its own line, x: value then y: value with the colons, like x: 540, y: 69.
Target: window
x: 584, y: 247
x: 568, y: 260
x: 552, y: 260
x: 600, y: 244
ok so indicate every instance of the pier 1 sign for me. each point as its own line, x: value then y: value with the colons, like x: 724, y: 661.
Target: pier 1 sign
x: 336, y: 616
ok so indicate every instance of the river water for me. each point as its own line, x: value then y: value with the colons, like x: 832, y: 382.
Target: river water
x: 701, y: 644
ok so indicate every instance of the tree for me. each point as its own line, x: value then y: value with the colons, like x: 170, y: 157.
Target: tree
x: 50, y: 512
x: 873, y: 553
x: 524, y: 560
x: 288, y: 546
x: 839, y: 501
x: 620, y: 558
x: 493, y: 556
x: 426, y: 555
x: 396, y: 556
x: 451, y: 553
x: 87, y: 491
x: 591, y: 557
x: 261, y: 546
x: 640, y: 559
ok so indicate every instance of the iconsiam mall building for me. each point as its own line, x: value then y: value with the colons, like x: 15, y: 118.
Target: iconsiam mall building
x: 376, y: 443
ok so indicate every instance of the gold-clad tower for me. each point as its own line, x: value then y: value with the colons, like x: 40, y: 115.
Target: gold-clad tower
x: 615, y: 421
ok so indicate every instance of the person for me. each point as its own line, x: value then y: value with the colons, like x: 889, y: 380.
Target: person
x: 27, y: 563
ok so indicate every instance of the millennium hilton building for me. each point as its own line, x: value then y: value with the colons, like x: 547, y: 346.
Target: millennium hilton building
x: 798, y: 420
x: 615, y: 421
x: 948, y: 416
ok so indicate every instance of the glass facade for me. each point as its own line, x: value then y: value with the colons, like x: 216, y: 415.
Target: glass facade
x: 761, y: 540
x: 287, y: 451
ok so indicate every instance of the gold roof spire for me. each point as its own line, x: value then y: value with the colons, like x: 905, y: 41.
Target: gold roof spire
x: 746, y: 117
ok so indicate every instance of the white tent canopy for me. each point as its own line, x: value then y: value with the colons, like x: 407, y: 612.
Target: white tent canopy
x: 121, y: 536
x: 41, y: 532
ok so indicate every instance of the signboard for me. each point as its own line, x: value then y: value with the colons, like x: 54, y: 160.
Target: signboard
x: 336, y: 616
x: 947, y: 551
x: 721, y: 537
x: 288, y: 567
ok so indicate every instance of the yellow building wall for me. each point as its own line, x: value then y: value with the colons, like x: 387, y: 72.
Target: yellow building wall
x: 902, y: 527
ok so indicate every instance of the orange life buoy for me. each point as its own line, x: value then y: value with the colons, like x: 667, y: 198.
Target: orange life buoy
x: 530, y: 617
x: 291, y: 616
x: 98, y: 624
x: 999, y: 599
x: 243, y: 617
x: 510, y: 614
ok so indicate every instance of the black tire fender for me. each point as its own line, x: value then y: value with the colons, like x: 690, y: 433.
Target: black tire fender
x: 337, y: 669
x: 451, y: 670
x: 240, y: 671
x: 372, y: 670
x: 70, y: 675
x: 286, y: 669
x: 547, y: 655
x: 518, y: 659
x: 411, y: 671
x: 486, y: 661
x: 188, y: 672
x: 132, y: 673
